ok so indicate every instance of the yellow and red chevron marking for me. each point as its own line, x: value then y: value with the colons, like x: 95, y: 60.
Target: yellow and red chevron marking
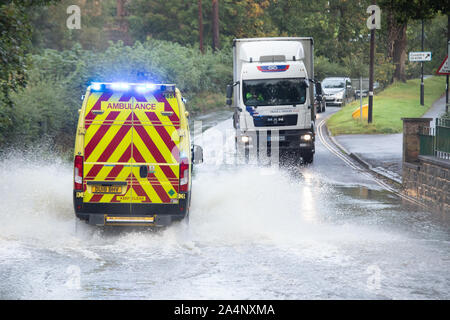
x: 170, y: 105
x: 117, y: 140
x: 156, y: 140
x: 110, y: 173
x: 108, y: 148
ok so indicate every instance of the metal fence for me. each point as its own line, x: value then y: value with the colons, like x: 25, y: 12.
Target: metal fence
x: 436, y: 141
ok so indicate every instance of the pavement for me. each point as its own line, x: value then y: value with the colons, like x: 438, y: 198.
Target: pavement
x: 382, y: 153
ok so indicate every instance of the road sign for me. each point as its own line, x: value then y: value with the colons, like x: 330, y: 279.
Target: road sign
x: 444, y: 68
x: 419, y: 56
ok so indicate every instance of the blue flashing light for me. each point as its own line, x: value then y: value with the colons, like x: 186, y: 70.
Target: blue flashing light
x: 125, y: 86
x: 120, y: 86
x: 145, y: 87
x: 96, y: 86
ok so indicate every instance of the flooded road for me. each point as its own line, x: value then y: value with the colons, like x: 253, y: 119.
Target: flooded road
x: 323, y: 231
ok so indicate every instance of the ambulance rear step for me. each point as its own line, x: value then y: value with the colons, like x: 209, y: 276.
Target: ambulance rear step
x: 109, y: 220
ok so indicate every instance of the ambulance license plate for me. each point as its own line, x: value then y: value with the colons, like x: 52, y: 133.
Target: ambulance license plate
x: 107, y: 189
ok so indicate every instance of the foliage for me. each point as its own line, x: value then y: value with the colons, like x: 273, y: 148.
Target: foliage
x: 161, y: 45
x: 338, y: 26
x: 176, y: 20
x: 48, y: 106
x: 97, y: 25
x: 433, y: 41
x: 324, y: 68
x: 399, y: 14
x: 14, y: 43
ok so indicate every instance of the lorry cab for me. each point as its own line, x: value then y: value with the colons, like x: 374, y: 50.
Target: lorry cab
x: 273, y: 95
x: 133, y: 155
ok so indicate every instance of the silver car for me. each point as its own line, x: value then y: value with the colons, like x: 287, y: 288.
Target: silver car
x: 337, y: 90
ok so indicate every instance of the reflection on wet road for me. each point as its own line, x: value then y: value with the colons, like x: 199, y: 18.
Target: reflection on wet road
x: 322, y: 231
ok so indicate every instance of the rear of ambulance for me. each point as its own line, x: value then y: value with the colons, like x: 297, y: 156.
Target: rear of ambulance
x: 132, y: 156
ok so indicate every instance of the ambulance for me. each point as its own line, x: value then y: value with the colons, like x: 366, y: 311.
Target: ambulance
x: 133, y: 155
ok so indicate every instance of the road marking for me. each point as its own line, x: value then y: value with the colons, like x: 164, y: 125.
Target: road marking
x: 364, y: 172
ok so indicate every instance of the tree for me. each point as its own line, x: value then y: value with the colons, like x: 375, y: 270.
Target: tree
x: 337, y: 26
x: 171, y: 20
x: 398, y: 13
x: 200, y: 26
x: 14, y: 44
x: 215, y: 24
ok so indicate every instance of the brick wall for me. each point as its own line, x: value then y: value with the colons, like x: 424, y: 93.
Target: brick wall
x: 424, y: 177
x: 429, y: 181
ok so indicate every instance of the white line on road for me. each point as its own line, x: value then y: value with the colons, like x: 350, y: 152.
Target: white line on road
x: 351, y: 164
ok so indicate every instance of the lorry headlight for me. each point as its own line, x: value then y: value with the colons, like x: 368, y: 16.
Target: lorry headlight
x: 245, y: 139
x: 339, y: 95
x: 306, y: 137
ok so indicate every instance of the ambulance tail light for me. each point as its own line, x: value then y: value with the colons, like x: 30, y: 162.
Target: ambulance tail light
x: 184, y: 175
x: 78, y: 173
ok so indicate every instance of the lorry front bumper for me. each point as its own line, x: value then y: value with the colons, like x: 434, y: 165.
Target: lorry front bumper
x: 286, y: 140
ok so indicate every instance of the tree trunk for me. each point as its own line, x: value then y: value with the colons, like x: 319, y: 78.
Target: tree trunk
x: 397, y: 46
x: 215, y: 16
x: 200, y: 26
x: 120, y: 31
x: 120, y: 8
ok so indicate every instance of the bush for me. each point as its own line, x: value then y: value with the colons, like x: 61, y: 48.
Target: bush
x: 47, y: 107
x: 325, y: 68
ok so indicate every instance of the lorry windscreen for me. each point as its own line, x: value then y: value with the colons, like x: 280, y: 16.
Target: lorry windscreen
x: 274, y: 92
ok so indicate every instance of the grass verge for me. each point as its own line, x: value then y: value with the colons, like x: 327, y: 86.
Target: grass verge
x: 399, y: 100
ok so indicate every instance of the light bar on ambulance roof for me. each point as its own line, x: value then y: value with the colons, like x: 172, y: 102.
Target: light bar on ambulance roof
x: 145, y: 87
x: 120, y: 86
x: 96, y: 86
x: 125, y: 86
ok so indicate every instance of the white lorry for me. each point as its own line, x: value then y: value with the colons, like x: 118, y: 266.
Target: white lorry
x: 274, y: 95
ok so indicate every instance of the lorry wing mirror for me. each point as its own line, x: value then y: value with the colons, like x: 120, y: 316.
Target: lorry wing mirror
x: 229, y: 94
x: 197, y: 154
x: 318, y: 88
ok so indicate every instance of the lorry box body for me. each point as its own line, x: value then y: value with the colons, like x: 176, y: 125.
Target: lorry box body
x: 273, y: 91
x: 132, y: 159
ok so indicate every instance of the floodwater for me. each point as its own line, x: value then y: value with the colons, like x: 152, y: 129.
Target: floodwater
x: 322, y: 231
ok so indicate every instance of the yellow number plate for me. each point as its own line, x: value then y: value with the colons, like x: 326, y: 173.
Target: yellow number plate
x: 107, y: 189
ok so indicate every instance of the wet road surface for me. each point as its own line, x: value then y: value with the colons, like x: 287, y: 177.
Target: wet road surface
x: 323, y: 231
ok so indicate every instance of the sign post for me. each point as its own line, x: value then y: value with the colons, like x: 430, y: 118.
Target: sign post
x: 421, y: 76
x: 373, y: 22
x: 421, y: 56
x: 444, y: 69
x: 360, y: 99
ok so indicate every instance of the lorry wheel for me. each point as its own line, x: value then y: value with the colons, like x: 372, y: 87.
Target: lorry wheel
x: 308, y: 157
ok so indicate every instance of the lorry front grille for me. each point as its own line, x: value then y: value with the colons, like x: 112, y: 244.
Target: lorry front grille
x: 275, y: 121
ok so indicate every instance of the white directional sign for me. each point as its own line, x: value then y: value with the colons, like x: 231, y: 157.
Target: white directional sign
x: 419, y: 56
x: 444, y: 68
